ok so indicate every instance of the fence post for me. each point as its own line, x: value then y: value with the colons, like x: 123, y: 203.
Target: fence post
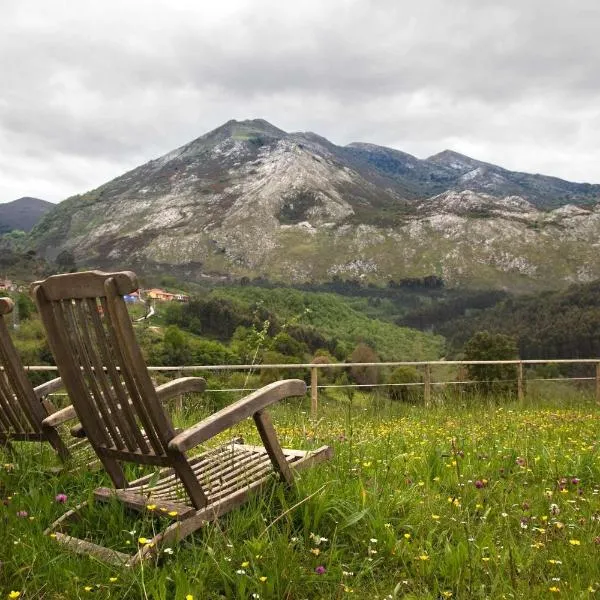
x: 520, y: 389
x: 427, y: 386
x: 179, y: 399
x: 313, y: 392
x: 598, y: 382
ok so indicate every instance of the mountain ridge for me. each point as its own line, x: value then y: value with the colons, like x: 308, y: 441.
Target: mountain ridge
x: 249, y: 199
x: 22, y: 213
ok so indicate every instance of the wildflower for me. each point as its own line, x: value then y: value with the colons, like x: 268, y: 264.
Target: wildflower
x: 315, y: 551
x: 373, y: 541
x: 14, y: 594
x: 348, y: 590
x: 367, y: 464
x: 172, y: 513
x: 387, y: 525
x: 575, y: 480
x: 435, y: 517
x: 320, y: 570
x: 113, y: 579
x: 554, y: 509
x: 407, y: 536
x: 168, y: 551
x: 23, y: 514
x: 317, y: 539
x: 151, y: 507
x: 189, y: 597
x: 575, y: 542
x: 446, y: 594
x: 142, y: 541
x: 245, y: 564
x: 241, y: 572
x: 262, y: 579
x: 88, y: 588
x: 479, y: 484
x: 60, y: 498
x: 554, y: 589
x: 348, y: 573
x: 424, y: 557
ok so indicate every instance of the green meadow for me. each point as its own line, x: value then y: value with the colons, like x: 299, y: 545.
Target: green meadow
x: 471, y: 498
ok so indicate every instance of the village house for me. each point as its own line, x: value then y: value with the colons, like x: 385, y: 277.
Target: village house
x: 164, y: 296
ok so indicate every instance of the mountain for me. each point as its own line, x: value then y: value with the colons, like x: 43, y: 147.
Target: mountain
x: 23, y: 213
x: 249, y: 199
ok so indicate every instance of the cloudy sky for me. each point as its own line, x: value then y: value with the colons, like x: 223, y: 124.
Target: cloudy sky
x: 91, y: 89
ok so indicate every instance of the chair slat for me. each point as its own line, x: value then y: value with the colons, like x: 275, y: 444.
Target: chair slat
x: 88, y: 377
x: 129, y: 428
x: 98, y: 379
x: 134, y: 395
x: 156, y: 424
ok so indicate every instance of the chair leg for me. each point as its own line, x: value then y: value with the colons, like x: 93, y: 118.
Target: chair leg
x: 57, y: 443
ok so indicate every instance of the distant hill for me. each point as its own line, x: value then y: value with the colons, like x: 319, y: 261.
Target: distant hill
x: 251, y: 200
x: 23, y: 213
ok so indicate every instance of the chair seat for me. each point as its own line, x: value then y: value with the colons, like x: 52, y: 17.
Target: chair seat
x: 221, y: 471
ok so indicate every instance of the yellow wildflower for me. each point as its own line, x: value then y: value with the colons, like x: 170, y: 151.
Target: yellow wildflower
x: 14, y: 594
x: 575, y: 542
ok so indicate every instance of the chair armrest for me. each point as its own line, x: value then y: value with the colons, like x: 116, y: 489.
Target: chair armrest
x: 234, y: 413
x: 60, y: 416
x: 49, y: 387
x: 183, y: 385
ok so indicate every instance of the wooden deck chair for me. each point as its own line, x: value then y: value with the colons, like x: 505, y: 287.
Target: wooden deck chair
x: 93, y: 341
x: 23, y: 408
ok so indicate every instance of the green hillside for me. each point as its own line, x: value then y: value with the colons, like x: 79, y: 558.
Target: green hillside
x: 332, y: 316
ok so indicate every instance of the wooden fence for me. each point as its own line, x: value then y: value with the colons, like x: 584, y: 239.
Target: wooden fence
x: 424, y: 367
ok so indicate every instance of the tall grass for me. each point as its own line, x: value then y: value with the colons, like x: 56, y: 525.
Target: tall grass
x: 472, y: 498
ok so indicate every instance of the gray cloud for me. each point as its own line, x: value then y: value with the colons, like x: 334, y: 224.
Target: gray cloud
x: 90, y: 90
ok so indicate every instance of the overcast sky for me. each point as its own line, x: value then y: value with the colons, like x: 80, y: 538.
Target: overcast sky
x: 90, y: 89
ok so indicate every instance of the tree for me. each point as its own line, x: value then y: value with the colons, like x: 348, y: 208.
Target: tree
x: 492, y: 346
x: 364, y: 375
x: 66, y: 261
x: 405, y: 393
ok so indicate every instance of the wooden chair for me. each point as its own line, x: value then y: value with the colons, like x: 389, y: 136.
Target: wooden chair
x: 24, y: 408
x: 93, y: 341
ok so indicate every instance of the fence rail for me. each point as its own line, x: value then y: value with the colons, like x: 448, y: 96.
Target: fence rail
x: 424, y: 367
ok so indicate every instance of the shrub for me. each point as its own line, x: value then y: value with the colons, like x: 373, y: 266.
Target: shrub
x: 492, y: 346
x: 405, y: 393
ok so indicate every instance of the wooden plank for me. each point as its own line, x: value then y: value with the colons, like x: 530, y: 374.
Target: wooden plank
x: 88, y: 284
x: 140, y: 503
x: 108, y: 358
x: 237, y: 411
x: 90, y: 549
x: 269, y: 439
x: 88, y: 379
x: 142, y: 393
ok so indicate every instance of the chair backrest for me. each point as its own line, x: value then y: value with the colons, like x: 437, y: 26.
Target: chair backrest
x: 91, y: 336
x: 21, y: 413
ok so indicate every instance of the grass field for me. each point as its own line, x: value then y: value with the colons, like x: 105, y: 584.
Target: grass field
x: 470, y: 499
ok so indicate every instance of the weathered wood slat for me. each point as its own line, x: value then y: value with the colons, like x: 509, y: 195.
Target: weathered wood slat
x: 127, y: 369
x: 234, y: 413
